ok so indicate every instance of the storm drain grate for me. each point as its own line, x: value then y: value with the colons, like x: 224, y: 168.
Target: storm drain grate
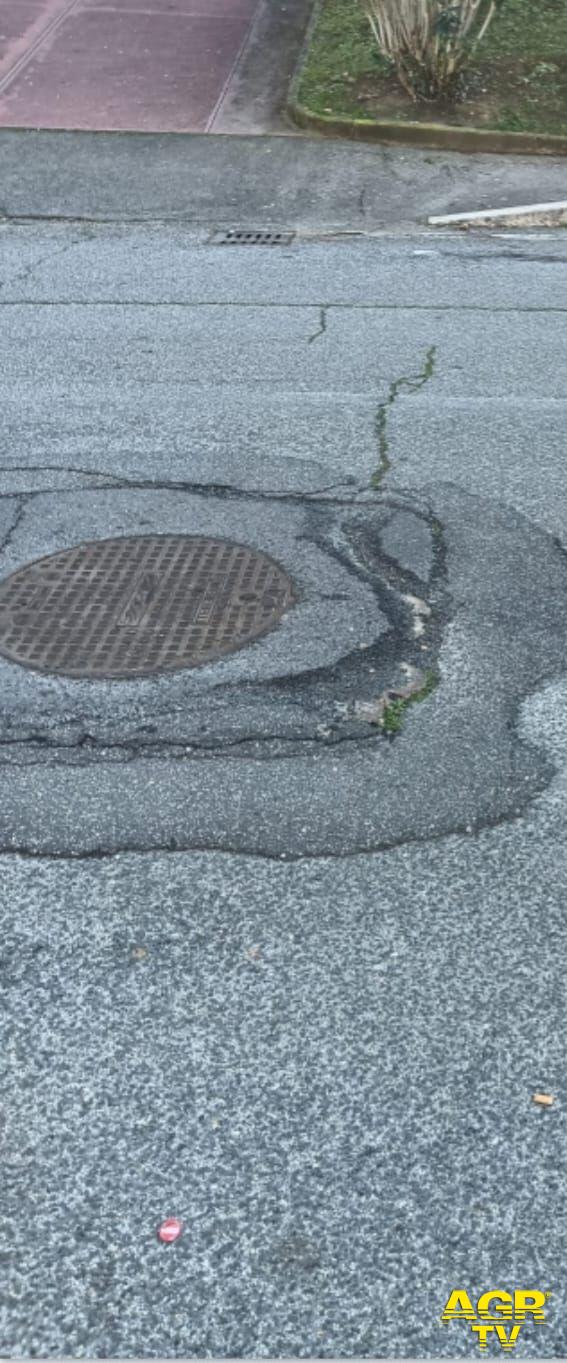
x: 134, y: 606
x: 251, y: 238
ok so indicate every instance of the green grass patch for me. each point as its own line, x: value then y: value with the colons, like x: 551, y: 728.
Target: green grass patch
x: 394, y: 713
x: 517, y: 80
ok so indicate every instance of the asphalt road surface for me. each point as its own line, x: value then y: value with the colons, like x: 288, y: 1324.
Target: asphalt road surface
x: 269, y: 967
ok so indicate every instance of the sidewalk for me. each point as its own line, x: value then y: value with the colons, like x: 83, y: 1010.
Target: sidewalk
x: 140, y: 65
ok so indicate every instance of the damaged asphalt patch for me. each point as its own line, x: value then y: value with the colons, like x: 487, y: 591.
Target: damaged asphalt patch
x: 279, y: 749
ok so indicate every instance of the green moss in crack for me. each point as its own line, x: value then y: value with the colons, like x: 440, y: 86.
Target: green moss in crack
x: 403, y: 384
x: 394, y: 713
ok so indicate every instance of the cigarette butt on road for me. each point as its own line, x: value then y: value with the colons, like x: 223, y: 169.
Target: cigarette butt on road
x: 544, y: 1099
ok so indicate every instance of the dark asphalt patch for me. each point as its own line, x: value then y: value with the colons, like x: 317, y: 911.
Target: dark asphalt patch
x: 271, y: 752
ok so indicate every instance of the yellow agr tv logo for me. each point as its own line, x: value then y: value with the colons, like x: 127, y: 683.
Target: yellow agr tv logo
x: 498, y: 1315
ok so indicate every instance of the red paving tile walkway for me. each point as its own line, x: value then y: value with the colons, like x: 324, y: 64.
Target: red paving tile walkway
x: 144, y: 65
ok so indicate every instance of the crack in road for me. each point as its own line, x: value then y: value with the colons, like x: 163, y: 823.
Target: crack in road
x: 150, y: 303
x: 322, y: 326
x: 169, y: 750
x: 227, y: 491
x: 403, y: 384
x: 22, y: 499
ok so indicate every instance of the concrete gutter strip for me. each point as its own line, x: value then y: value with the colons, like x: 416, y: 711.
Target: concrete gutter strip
x: 520, y: 210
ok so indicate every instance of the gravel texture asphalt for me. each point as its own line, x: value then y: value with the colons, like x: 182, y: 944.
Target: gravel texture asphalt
x: 265, y: 967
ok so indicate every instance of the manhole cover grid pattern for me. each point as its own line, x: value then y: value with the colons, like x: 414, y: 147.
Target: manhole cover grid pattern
x: 133, y: 606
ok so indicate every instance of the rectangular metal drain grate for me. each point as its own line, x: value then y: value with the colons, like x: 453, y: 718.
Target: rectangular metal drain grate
x: 234, y: 237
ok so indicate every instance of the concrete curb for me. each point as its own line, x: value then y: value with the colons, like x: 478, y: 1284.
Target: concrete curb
x: 436, y: 136
x: 502, y: 214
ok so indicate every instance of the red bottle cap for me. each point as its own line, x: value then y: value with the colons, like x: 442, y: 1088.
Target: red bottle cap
x: 170, y: 1230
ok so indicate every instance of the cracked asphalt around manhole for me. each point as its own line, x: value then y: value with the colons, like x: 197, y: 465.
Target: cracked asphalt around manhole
x: 271, y: 967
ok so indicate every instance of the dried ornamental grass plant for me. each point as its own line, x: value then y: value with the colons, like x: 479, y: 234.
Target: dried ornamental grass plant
x: 429, y: 41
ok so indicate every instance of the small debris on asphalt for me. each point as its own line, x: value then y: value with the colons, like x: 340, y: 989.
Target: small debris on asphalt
x: 254, y: 953
x: 170, y: 1230
x: 421, y: 612
x: 370, y: 711
x: 544, y: 1099
x: 139, y: 953
x: 373, y: 711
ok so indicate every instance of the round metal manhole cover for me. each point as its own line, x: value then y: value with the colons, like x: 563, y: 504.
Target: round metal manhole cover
x: 134, y: 606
